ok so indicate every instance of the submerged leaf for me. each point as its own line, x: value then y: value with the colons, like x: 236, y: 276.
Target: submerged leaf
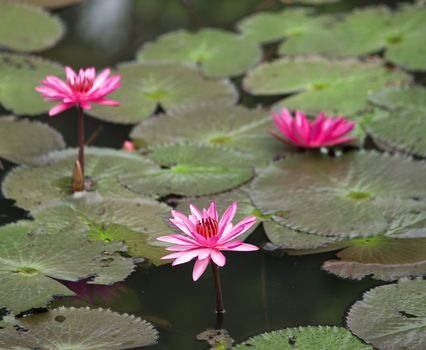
x: 32, y: 187
x: 392, y: 317
x: 31, y: 263
x: 320, y: 85
x: 28, y: 28
x: 305, y: 338
x: 191, y: 170
x: 78, y: 328
x: 357, y: 194
x: 217, y: 52
x: 22, y: 141
x: 147, y: 85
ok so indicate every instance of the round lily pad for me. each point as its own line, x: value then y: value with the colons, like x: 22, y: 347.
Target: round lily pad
x: 403, y: 126
x: 22, y: 141
x: 19, y: 75
x: 232, y: 126
x: 30, y: 263
x: 392, y: 317
x: 305, y: 338
x: 265, y: 27
x: 357, y: 194
x: 148, y: 85
x: 28, y: 28
x: 32, y: 187
x: 136, y: 222
x: 78, y: 328
x: 190, y: 170
x: 321, y: 85
x: 219, y: 53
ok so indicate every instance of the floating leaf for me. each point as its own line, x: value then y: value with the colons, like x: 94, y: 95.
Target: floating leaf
x: 28, y: 28
x: 216, y: 338
x: 321, y: 337
x: 78, y: 328
x: 191, y: 170
x: 267, y: 27
x: 357, y: 194
x: 219, y: 53
x: 336, y: 87
x: 136, y: 222
x: 22, y: 141
x: 392, y: 317
x: 145, y: 86
x: 30, y: 263
x: 19, y: 75
x: 243, y: 129
x: 32, y: 187
x: 404, y: 126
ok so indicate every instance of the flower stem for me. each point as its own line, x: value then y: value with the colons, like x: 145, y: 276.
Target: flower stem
x: 219, y: 299
x: 81, y: 138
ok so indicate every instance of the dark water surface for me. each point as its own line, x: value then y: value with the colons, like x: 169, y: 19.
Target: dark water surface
x: 263, y: 290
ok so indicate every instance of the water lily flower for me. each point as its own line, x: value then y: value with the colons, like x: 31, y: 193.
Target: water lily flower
x: 204, y: 237
x: 80, y: 89
x: 300, y: 132
x: 128, y: 146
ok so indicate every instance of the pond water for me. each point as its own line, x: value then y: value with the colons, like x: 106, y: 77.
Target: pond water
x: 263, y: 291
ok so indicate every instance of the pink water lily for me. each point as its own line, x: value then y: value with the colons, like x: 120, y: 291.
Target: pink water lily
x: 128, y: 146
x: 80, y: 89
x: 300, y: 132
x: 204, y: 237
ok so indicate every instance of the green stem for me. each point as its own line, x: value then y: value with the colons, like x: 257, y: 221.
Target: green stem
x: 219, y: 299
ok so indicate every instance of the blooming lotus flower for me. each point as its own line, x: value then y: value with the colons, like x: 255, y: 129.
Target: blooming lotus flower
x: 80, y: 89
x: 300, y: 132
x: 204, y: 237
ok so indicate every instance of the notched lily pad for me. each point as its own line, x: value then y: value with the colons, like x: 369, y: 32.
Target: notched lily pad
x: 19, y: 75
x: 392, y: 317
x: 357, y: 194
x: 22, y: 141
x: 32, y: 187
x: 191, y: 170
x: 28, y: 28
x: 78, y: 328
x: 266, y: 27
x: 243, y: 129
x: 136, y: 222
x: 335, y: 87
x: 217, y: 52
x: 30, y: 263
x: 403, y: 125
x: 321, y: 337
x: 147, y: 85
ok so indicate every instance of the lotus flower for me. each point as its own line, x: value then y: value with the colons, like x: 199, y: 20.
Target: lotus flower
x: 204, y: 237
x: 81, y: 89
x: 300, y: 132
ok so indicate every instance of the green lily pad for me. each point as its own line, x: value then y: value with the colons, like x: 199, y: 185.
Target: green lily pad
x: 30, y: 263
x: 136, y: 222
x: 32, y: 187
x: 266, y: 27
x: 28, y: 28
x: 223, y: 201
x: 392, y: 317
x: 357, y: 194
x: 19, y: 75
x: 237, y: 127
x: 147, y: 85
x: 305, y: 338
x: 335, y: 87
x: 22, y: 141
x: 367, y: 31
x: 219, y: 53
x: 402, y: 127
x: 78, y: 328
x: 190, y: 170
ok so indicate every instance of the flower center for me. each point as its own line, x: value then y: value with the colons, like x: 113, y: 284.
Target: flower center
x: 82, y: 84
x: 207, y: 227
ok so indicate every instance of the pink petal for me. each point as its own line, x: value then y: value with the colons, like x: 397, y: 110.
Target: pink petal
x: 199, y: 268
x: 60, y: 108
x: 227, y: 217
x: 184, y: 257
x: 238, y: 229
x: 241, y: 247
x: 107, y: 102
x: 177, y: 239
x: 212, y: 211
x: 217, y: 257
x: 195, y: 212
x: 71, y: 76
